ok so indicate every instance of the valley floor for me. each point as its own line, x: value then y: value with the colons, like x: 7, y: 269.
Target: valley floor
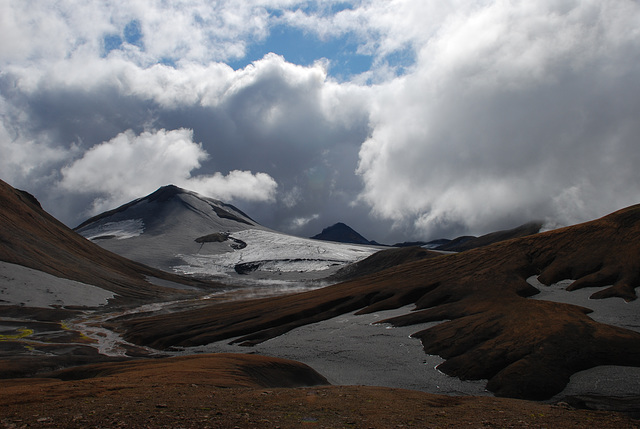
x: 358, y: 350
x: 370, y: 365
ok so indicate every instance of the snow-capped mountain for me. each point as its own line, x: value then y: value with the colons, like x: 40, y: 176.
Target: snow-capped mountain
x: 178, y: 230
x: 156, y: 228
x: 163, y: 211
x: 46, y: 263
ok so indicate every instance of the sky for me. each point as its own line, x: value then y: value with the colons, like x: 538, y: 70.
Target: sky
x: 407, y: 120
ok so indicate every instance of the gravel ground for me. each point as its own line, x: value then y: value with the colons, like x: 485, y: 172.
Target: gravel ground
x: 183, y: 396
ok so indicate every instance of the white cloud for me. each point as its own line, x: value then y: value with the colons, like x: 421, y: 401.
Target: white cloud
x: 271, y: 116
x: 292, y: 197
x: 189, y: 30
x: 129, y: 166
x: 25, y: 161
x: 510, y: 105
x: 242, y: 185
x: 129, y: 163
x: 299, y: 222
x: 381, y: 28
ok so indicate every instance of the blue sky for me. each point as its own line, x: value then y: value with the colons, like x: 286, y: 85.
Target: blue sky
x: 300, y: 47
x: 131, y: 34
x: 405, y: 120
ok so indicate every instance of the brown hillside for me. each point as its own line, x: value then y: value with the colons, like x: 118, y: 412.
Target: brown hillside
x: 383, y: 260
x: 31, y: 237
x: 525, y: 348
x: 245, y: 391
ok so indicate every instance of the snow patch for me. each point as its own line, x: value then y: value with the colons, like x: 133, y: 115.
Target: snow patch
x: 611, y: 311
x: 119, y: 230
x: 274, y: 252
x: 352, y: 349
x: 32, y: 288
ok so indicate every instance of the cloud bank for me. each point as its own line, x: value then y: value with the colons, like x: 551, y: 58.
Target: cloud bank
x: 474, y: 115
x: 515, y: 110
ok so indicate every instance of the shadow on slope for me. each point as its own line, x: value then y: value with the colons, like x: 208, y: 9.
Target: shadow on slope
x: 185, y: 392
x: 382, y: 260
x: 220, y: 370
x: 463, y: 243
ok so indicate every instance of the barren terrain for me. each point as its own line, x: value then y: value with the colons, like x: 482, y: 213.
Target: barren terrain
x: 525, y: 348
x: 227, y: 391
x: 474, y: 309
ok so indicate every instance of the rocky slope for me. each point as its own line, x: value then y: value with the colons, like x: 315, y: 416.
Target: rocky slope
x: 460, y: 244
x: 524, y: 348
x: 32, y: 238
x: 383, y: 260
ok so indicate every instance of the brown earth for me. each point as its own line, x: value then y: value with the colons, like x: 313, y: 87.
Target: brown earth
x: 525, y: 348
x: 382, y: 260
x: 31, y: 237
x: 248, y: 391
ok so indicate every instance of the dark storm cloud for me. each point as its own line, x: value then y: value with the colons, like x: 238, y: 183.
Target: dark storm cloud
x: 279, y: 122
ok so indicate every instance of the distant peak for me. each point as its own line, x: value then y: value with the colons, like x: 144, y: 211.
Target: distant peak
x: 338, y: 226
x: 342, y: 233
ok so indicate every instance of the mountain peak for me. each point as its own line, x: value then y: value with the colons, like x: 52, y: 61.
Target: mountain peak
x: 169, y: 191
x: 162, y: 196
x: 341, y: 233
x: 170, y: 216
x: 166, y: 192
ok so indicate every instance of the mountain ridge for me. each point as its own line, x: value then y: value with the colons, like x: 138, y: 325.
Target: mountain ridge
x: 159, y: 227
x: 468, y: 242
x: 33, y: 238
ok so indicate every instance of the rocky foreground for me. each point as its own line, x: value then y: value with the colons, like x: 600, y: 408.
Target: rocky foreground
x: 245, y: 391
